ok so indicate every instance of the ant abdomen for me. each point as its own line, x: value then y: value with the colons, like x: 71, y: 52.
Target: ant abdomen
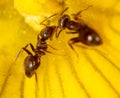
x: 89, y: 37
x: 31, y: 63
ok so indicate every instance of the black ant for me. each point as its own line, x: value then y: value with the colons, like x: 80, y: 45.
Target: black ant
x: 86, y: 35
x: 32, y: 61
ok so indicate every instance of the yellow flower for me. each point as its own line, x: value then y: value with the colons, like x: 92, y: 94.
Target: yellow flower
x: 95, y: 74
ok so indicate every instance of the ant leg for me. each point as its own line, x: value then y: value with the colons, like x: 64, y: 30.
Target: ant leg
x: 31, y: 46
x: 57, y: 34
x: 52, y: 47
x: 36, y: 78
x: 71, y: 32
x: 73, y: 41
x: 43, y: 51
x: 27, y: 51
x: 53, y: 53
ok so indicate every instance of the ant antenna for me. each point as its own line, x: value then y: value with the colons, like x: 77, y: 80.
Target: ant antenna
x: 47, y: 19
x: 53, y: 16
x: 78, y: 13
x: 44, y: 24
x: 70, y: 44
x: 64, y: 11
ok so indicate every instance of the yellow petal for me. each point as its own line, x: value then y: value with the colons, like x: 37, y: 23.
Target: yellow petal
x: 94, y: 74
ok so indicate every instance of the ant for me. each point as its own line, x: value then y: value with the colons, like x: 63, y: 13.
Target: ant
x: 32, y: 61
x: 86, y: 34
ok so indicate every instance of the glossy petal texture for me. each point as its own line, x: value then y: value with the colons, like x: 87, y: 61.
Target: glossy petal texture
x: 94, y: 74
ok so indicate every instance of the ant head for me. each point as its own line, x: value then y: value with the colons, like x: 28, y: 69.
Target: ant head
x: 63, y: 20
x: 90, y: 37
x: 30, y: 65
x: 47, y: 32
